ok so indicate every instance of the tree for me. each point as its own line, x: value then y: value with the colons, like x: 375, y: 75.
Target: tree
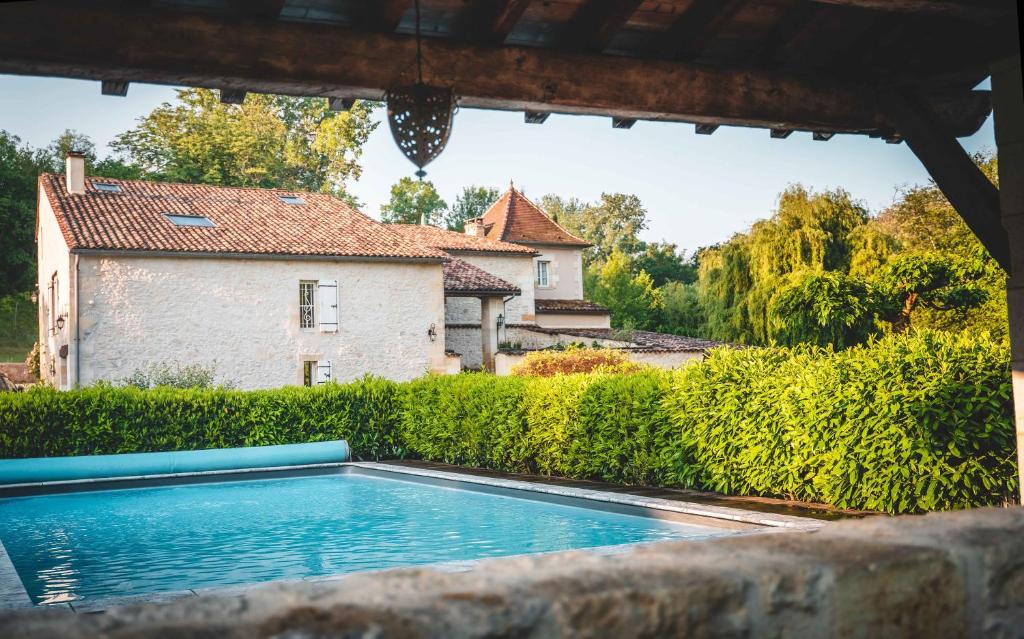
x: 471, y: 203
x: 412, y: 201
x: 612, y: 223
x: 632, y: 299
x: 18, y: 172
x: 938, y: 281
x: 682, y: 313
x: 266, y: 142
x: 823, y: 308
x: 664, y: 262
x: 51, y: 158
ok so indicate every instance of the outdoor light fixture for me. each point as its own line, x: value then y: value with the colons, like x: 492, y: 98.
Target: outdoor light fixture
x: 60, y: 323
x: 501, y: 321
x: 34, y: 296
x: 420, y: 115
x: 432, y: 332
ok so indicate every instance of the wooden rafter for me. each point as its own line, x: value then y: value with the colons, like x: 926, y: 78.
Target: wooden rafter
x: 490, y: 21
x: 969, y: 9
x: 596, y: 23
x: 697, y: 27
x: 267, y: 9
x: 799, y: 18
x: 974, y: 197
x: 384, y: 15
x: 299, y: 58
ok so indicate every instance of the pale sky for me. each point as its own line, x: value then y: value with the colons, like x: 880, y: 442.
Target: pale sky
x: 697, y: 189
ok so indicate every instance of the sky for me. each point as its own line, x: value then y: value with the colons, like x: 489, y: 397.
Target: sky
x: 698, y: 189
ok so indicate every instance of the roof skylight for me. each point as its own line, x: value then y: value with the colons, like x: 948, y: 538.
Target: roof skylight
x: 292, y: 199
x: 178, y: 219
x: 106, y: 187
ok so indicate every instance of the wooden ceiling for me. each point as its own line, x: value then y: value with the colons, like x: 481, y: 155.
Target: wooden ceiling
x: 816, y: 65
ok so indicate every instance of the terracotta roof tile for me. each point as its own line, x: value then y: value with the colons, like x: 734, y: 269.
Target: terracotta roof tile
x: 569, y: 306
x: 462, y: 277
x: 514, y: 218
x: 451, y: 241
x: 638, y: 340
x: 246, y: 221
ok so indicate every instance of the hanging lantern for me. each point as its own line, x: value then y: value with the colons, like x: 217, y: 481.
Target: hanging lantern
x: 421, y: 120
x: 420, y: 115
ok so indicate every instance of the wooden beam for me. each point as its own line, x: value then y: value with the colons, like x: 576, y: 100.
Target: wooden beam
x: 384, y: 15
x: 340, y: 104
x: 490, y: 21
x: 264, y: 9
x: 623, y: 123
x: 232, y: 96
x: 113, y: 87
x: 535, y: 117
x: 974, y: 197
x: 697, y: 27
x: 705, y: 129
x: 822, y: 136
x: 596, y: 22
x: 299, y: 58
x: 979, y: 10
x: 781, y: 134
x: 766, y: 54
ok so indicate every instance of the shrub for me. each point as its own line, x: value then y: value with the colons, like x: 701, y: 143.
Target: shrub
x: 175, y: 376
x: 909, y: 423
x: 103, y: 419
x: 32, y: 361
x: 575, y: 360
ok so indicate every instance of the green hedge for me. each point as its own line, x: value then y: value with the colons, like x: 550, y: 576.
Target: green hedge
x: 906, y: 424
x: 103, y: 419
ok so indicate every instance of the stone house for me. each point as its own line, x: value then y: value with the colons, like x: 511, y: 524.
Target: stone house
x: 275, y: 288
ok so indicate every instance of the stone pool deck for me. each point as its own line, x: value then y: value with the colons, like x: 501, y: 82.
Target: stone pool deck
x: 941, y: 575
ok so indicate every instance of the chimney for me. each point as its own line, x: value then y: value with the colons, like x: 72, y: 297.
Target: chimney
x: 74, y: 172
x: 475, y: 227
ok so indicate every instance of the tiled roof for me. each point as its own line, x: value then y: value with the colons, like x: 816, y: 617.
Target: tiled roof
x: 246, y: 221
x: 569, y: 306
x: 462, y: 277
x: 513, y: 218
x: 451, y: 241
x: 639, y: 340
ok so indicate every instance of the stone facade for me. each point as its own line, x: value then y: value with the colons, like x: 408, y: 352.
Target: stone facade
x: 939, y: 576
x: 242, y: 315
x: 565, y: 273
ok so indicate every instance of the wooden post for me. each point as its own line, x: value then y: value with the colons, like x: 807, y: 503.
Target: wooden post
x: 1008, y: 98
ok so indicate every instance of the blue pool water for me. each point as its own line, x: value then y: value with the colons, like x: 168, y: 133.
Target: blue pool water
x: 126, y: 542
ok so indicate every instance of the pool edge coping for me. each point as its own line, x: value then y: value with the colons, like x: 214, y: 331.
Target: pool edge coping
x: 19, y: 598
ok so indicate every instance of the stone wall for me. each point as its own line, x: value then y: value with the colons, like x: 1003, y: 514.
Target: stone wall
x: 943, y: 575
x: 242, y: 315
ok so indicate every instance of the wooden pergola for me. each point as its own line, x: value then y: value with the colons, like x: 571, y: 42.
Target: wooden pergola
x: 897, y: 70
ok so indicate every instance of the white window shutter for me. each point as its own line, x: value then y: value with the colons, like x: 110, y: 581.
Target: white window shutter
x: 324, y: 372
x: 329, y: 306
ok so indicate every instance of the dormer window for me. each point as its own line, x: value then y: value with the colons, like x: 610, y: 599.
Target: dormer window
x: 106, y: 187
x: 179, y: 219
x: 292, y: 199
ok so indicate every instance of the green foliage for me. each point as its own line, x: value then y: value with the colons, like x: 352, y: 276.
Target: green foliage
x: 632, y: 299
x: 18, y: 172
x: 266, y: 142
x: 822, y: 308
x: 665, y: 263
x: 939, y: 281
x: 174, y: 375
x: 473, y: 202
x: 412, y: 202
x: 612, y: 224
x: 682, y: 313
x: 19, y: 326
x: 913, y: 422
x: 105, y: 419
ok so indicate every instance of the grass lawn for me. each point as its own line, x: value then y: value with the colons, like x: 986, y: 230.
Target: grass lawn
x: 17, y: 327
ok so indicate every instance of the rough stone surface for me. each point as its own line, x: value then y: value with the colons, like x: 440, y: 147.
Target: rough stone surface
x: 949, y: 575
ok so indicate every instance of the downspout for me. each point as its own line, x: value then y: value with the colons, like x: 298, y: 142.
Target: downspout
x: 75, y: 314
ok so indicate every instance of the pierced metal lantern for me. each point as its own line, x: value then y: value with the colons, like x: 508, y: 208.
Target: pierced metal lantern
x: 421, y: 121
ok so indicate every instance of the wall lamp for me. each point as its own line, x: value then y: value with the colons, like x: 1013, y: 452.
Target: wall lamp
x: 432, y: 333
x: 60, y: 323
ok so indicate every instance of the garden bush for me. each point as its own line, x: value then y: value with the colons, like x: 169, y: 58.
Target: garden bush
x: 909, y: 423
x: 575, y: 359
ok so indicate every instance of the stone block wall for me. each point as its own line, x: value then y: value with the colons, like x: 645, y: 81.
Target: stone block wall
x: 937, y: 576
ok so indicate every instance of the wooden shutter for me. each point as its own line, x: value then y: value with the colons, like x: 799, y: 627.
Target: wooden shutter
x: 324, y: 372
x: 328, y: 306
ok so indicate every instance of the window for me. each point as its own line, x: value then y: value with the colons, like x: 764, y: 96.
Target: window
x: 308, y: 373
x: 307, y: 304
x: 178, y: 219
x: 542, y: 273
x: 106, y: 187
x: 292, y: 199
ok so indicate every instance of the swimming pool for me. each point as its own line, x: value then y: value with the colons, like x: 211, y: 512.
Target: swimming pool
x: 103, y: 544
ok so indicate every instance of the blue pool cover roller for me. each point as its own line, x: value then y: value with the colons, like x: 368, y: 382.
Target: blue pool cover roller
x: 46, y: 469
